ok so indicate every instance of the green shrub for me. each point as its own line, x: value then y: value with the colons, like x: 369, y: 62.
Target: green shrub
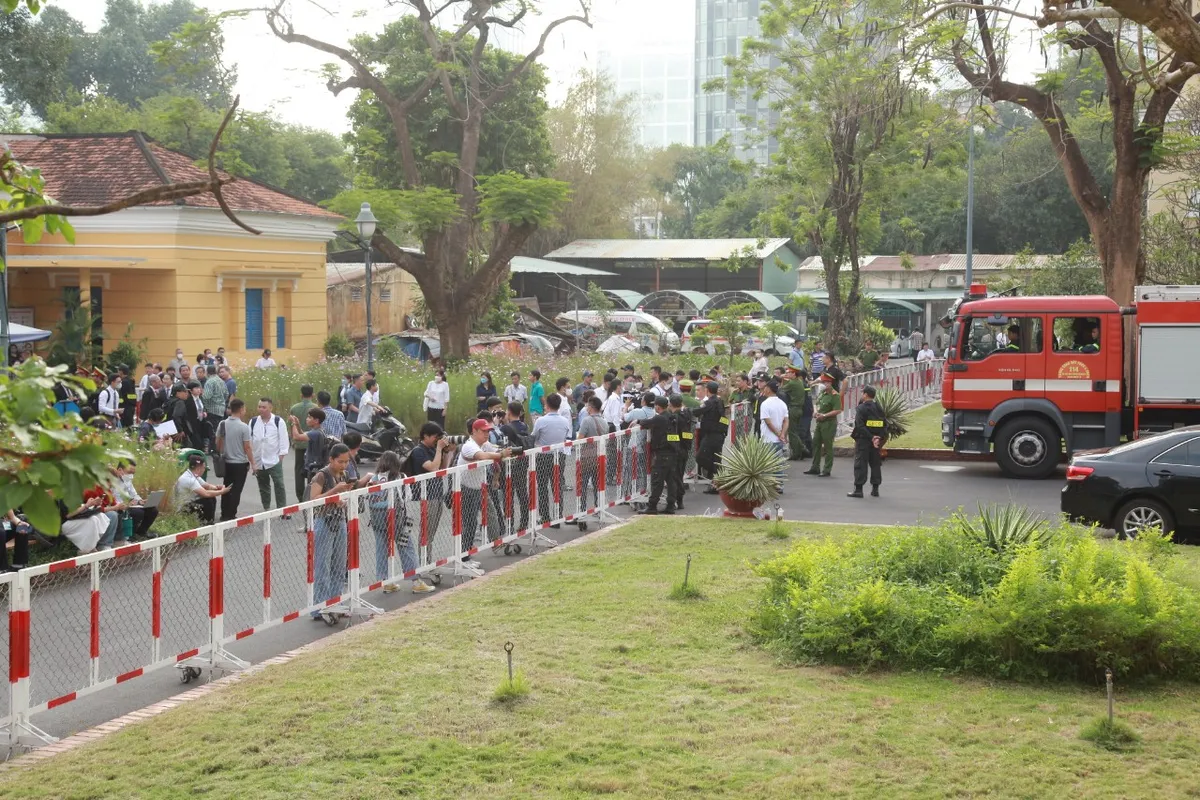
x: 510, y: 691
x: 389, y: 351
x: 127, y: 351
x: 1061, y: 606
x: 1110, y: 735
x: 338, y: 345
x: 1003, y: 527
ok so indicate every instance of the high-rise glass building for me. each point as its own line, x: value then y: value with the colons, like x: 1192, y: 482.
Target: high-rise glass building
x: 721, y: 27
x: 652, y: 60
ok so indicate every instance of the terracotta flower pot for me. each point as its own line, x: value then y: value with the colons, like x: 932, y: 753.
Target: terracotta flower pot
x: 738, y: 508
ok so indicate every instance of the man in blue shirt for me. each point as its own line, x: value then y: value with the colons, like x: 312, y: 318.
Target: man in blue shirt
x: 818, y: 361
x: 796, y: 357
x: 335, y: 421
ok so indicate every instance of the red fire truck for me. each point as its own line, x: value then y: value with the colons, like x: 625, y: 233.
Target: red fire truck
x: 1027, y: 377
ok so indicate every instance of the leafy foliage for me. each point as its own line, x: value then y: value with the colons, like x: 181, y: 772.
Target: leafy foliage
x: 338, y: 345
x: 513, y: 199
x: 895, y: 411
x: 731, y: 323
x: 74, y: 340
x: 1063, y: 606
x: 388, y: 351
x: 45, y: 457
x: 128, y: 351
x: 22, y: 187
x: 1110, y: 734
x: 1003, y: 528
x: 1075, y: 272
x: 750, y: 470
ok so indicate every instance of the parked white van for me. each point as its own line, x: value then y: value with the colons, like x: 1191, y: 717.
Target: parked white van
x: 772, y: 346
x: 642, y: 332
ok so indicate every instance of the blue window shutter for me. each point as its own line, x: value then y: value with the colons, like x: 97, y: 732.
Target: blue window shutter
x: 280, y: 333
x: 254, y: 319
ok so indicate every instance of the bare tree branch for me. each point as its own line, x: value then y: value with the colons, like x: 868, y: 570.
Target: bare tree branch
x: 510, y: 80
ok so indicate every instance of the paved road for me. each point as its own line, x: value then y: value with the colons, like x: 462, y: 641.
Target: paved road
x: 913, y: 492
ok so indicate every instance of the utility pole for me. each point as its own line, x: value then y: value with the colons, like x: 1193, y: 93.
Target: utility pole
x: 970, y: 202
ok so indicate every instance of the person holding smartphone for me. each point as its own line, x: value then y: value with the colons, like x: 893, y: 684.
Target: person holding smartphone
x: 329, y: 526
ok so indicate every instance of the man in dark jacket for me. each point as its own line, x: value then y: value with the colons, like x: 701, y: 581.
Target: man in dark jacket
x: 869, y: 434
x: 714, y: 426
x: 686, y: 424
x: 129, y: 397
x: 663, y: 430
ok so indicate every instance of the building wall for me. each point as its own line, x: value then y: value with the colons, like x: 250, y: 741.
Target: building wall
x: 166, y: 284
x: 346, y: 306
x: 721, y: 27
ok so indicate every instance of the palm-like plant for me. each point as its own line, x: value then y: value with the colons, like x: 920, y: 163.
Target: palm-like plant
x: 895, y: 410
x: 750, y: 471
x: 1003, y: 527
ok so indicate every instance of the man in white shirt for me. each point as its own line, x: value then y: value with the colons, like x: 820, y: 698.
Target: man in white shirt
x: 369, y: 404
x: 553, y: 428
x: 773, y: 413
x: 515, y: 392
x: 269, y: 440
x: 109, y: 403
x: 663, y: 387
x: 436, y: 399
x: 563, y: 387
x: 926, y: 353
x: 613, y: 408
x: 478, y: 448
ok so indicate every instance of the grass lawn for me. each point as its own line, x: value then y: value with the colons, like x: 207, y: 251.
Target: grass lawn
x: 633, y: 695
x: 925, y: 433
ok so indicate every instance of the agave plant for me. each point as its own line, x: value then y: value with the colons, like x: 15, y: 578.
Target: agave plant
x: 750, y: 471
x: 1003, y: 527
x: 895, y: 410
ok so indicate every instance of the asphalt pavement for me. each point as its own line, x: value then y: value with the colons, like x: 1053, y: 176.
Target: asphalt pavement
x: 913, y: 492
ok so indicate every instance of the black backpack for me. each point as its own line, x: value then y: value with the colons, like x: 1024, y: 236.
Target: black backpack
x: 316, y: 457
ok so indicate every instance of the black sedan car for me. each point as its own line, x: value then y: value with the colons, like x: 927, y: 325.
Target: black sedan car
x: 1152, y: 482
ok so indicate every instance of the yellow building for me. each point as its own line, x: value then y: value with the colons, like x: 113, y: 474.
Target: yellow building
x: 181, y: 272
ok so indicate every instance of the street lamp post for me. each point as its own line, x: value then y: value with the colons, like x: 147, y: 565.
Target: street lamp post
x: 970, y: 272
x: 366, y: 223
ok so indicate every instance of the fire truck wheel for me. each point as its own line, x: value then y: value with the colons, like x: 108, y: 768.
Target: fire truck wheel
x: 1028, y: 447
x: 1142, y: 514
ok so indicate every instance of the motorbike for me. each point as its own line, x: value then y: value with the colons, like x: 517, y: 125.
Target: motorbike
x: 383, y: 434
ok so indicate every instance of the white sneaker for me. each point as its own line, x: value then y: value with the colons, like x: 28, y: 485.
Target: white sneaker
x: 421, y: 587
x: 473, y: 564
x: 388, y: 588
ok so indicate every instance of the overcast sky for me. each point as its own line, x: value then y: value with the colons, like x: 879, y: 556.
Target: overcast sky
x: 284, y: 78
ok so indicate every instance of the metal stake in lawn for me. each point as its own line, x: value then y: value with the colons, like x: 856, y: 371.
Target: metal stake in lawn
x: 687, y: 570
x: 508, y: 648
x: 1108, y: 682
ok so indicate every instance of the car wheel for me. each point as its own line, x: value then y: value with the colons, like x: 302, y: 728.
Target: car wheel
x: 699, y: 351
x: 1028, y: 447
x: 1140, y: 515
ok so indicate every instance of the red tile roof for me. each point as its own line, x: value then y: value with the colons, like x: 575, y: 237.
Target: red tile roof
x: 93, y: 169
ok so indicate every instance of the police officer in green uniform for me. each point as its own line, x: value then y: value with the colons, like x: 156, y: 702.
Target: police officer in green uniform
x: 797, y: 400
x: 687, y: 442
x: 869, y: 434
x: 663, y: 431
x: 829, y: 405
x: 685, y: 391
x: 1014, y: 339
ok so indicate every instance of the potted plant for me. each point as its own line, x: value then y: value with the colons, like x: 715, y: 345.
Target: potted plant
x: 750, y: 475
x: 895, y: 410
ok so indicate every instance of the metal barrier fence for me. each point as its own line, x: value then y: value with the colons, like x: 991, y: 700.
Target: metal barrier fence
x: 919, y: 382
x: 84, y: 625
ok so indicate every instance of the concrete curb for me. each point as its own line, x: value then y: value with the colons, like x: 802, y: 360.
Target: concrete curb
x: 917, y: 454
x: 98, y: 732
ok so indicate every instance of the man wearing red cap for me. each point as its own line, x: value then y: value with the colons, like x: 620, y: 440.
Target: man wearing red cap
x: 829, y: 405
x: 478, y: 448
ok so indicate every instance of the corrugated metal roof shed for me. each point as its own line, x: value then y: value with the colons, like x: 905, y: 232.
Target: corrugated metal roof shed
x: 769, y: 302
x: 667, y: 249
x: 523, y: 265
x: 698, y: 300
x: 630, y: 298
x: 944, y: 262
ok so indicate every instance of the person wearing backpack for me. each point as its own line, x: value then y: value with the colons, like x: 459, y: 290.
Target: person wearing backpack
x: 316, y: 445
x: 270, y: 442
x: 517, y: 468
x: 300, y: 447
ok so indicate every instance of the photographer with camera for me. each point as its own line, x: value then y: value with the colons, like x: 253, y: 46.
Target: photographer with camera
x: 477, y: 448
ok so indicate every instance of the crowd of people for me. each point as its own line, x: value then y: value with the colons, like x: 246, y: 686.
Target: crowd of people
x: 795, y: 408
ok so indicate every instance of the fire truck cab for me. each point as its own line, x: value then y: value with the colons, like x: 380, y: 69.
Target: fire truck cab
x: 1029, y: 377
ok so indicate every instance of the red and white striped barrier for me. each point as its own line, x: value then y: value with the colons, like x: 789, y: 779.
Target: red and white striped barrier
x: 84, y: 625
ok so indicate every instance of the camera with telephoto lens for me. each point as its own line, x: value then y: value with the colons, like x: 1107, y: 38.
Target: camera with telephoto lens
x: 454, y: 441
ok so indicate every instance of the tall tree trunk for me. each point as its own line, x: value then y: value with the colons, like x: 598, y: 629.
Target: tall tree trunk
x: 455, y: 338
x: 835, y: 330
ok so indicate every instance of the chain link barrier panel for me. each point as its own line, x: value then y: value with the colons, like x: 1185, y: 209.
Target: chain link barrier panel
x: 83, y: 625
x: 920, y: 383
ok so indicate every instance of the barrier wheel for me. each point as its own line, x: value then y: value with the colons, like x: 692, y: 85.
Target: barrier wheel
x: 583, y: 525
x: 187, y: 674
x: 517, y: 549
x: 508, y: 549
x: 329, y: 619
x: 435, y: 578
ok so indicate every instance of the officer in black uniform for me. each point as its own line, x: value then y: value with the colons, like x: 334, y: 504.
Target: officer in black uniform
x: 869, y: 434
x: 714, y: 426
x: 687, y: 442
x: 663, y: 431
